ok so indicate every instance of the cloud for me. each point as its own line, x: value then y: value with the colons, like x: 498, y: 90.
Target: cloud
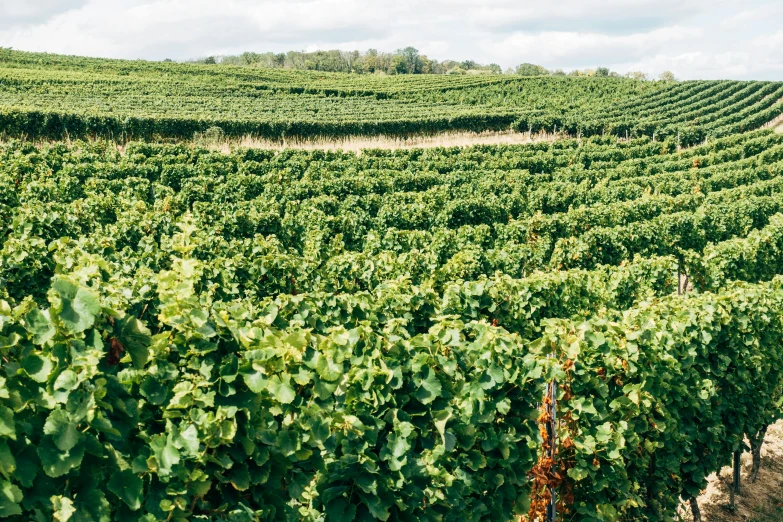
x: 582, y: 49
x: 694, y: 38
x: 608, y: 16
x: 754, y: 16
x: 16, y: 13
x: 179, y: 29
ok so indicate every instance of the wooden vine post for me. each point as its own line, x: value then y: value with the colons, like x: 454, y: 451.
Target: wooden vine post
x: 551, y: 427
x: 548, y: 473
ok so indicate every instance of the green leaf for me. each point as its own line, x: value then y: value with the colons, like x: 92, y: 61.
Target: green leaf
x: 37, y: 367
x: 255, y: 381
x: 7, y: 461
x: 430, y: 388
x: 153, y: 390
x: 377, y: 507
x: 67, y: 381
x: 286, y: 442
x: 128, y: 487
x: 27, y: 466
x: 76, y: 307
x: 38, y: 324
x: 503, y: 406
x: 328, y: 369
x: 56, y: 462
x: 339, y: 510
x: 320, y: 429
x: 189, y: 440
x: 475, y: 460
x: 63, y: 508
x: 607, y: 511
x: 135, y: 338
x: 282, y: 390
x: 596, y: 339
x: 93, y: 506
x: 297, y: 339
x: 603, y: 432
x: 577, y: 473
x: 239, y: 477
x: 441, y: 419
x: 166, y: 453
x: 10, y: 497
x: 7, y: 426
x: 62, y: 429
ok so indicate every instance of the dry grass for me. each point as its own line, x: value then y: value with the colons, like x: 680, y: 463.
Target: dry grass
x: 757, y: 502
x: 777, y: 123
x: 770, y: 514
x: 358, y: 143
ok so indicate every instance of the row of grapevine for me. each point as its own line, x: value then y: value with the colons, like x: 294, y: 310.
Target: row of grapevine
x: 310, y: 335
x: 365, y: 419
x: 57, y: 97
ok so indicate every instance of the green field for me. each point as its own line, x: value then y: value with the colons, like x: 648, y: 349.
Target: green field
x: 328, y: 336
x: 57, y: 97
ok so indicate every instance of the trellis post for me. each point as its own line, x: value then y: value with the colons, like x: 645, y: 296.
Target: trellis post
x: 551, y: 393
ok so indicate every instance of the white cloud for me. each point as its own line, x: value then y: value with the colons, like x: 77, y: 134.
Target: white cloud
x: 694, y: 38
x: 553, y: 47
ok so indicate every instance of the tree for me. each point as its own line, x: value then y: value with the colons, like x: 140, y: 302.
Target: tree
x: 371, y: 60
x: 399, y: 65
x: 411, y: 56
x: 403, y: 61
x: 426, y: 66
x: 531, y: 69
x: 668, y: 76
x: 602, y: 72
x: 637, y: 75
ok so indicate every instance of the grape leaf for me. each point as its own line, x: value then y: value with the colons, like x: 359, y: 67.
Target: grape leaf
x: 135, y: 338
x: 76, y: 307
x: 128, y: 487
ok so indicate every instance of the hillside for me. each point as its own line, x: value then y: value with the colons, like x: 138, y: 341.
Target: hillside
x: 441, y: 334
x: 58, y: 97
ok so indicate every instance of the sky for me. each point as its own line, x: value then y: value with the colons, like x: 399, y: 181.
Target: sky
x: 695, y: 39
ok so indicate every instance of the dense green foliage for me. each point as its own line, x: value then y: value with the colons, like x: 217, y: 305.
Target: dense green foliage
x: 308, y: 335
x: 402, y: 61
x: 60, y: 97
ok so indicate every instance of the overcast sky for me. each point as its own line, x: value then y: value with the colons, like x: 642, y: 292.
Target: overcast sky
x: 741, y: 39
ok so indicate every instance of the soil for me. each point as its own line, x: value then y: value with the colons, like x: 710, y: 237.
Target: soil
x: 755, y: 499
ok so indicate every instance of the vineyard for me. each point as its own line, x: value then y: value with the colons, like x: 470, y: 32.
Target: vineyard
x: 56, y: 97
x: 327, y: 336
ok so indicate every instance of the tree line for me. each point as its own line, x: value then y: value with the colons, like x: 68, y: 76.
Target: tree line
x: 531, y: 69
x: 402, y: 61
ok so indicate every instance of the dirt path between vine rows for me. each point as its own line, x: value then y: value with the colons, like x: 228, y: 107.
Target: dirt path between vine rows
x: 755, y: 498
x: 357, y: 143
x: 776, y: 123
